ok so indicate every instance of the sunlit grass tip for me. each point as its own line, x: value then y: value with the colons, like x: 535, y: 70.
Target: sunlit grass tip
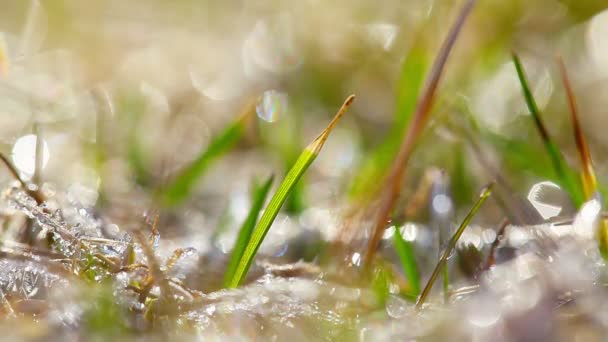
x: 270, y: 213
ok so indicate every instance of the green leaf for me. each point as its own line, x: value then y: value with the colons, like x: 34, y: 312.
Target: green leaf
x: 259, y: 197
x: 272, y: 210
x: 181, y: 187
x: 405, y: 251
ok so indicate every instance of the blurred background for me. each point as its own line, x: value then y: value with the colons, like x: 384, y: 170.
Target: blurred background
x: 117, y: 97
x: 118, y: 110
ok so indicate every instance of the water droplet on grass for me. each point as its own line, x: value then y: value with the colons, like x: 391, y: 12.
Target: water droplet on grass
x: 547, y: 198
x: 272, y: 106
x: 409, y: 232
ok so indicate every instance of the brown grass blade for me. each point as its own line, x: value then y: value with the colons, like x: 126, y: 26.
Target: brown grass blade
x: 392, y: 184
x: 37, y: 195
x: 588, y: 173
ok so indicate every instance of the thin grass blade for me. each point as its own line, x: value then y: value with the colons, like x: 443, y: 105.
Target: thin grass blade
x: 405, y: 251
x: 270, y: 213
x: 392, y: 185
x: 259, y: 197
x: 588, y: 173
x: 485, y: 193
x: 590, y: 185
x: 562, y: 170
x: 181, y: 187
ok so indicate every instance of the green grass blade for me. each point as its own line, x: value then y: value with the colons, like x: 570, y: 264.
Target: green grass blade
x: 405, y: 251
x: 485, y: 193
x: 179, y: 189
x: 564, y: 173
x: 272, y: 210
x: 259, y: 197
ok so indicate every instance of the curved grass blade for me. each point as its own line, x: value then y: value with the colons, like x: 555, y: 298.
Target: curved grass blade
x: 270, y: 213
x: 392, y: 185
x: 179, y: 190
x: 562, y: 170
x: 259, y: 197
x: 405, y: 251
x: 485, y: 193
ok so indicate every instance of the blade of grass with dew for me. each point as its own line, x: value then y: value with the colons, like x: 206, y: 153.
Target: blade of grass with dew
x: 259, y: 197
x: 563, y: 171
x: 392, y: 185
x: 270, y: 213
x: 590, y: 185
x: 405, y: 251
x: 180, y: 188
x: 485, y: 193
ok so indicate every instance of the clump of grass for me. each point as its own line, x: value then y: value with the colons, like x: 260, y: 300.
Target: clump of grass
x: 259, y: 197
x: 270, y: 213
x: 485, y: 193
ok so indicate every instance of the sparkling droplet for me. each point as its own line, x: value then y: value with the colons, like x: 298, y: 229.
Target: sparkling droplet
x: 272, y: 106
x: 396, y: 307
x: 442, y: 204
x: 546, y: 198
x: 356, y: 259
x: 24, y: 154
x: 409, y: 232
x: 383, y: 34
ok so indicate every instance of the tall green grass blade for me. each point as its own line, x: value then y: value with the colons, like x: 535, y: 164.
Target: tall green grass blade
x: 485, y: 193
x: 272, y: 210
x: 405, y: 251
x: 563, y: 171
x: 180, y: 188
x: 259, y: 197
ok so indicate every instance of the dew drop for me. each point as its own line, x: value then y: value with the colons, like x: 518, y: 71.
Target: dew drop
x: 272, y: 106
x: 24, y: 154
x: 396, y: 307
